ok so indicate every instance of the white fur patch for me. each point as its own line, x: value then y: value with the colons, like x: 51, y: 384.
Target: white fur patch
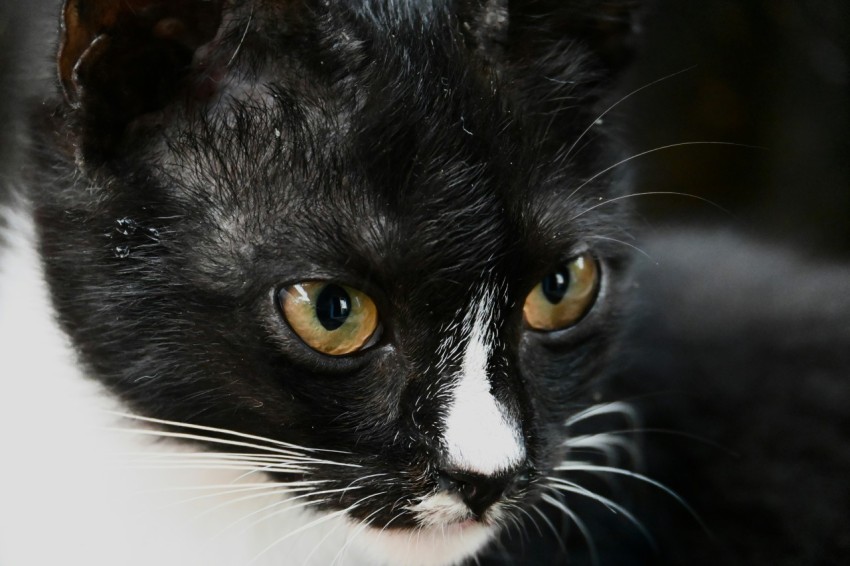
x: 440, y: 510
x: 479, y: 435
x: 74, y: 489
x: 437, y: 546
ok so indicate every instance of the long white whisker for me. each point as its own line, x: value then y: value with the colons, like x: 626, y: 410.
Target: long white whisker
x: 363, y: 525
x: 257, y: 485
x: 284, y: 510
x: 623, y: 99
x: 613, y: 506
x: 242, y: 40
x: 206, y: 466
x: 290, y: 446
x: 387, y: 524
x: 649, y: 194
x: 276, y: 511
x: 241, y: 456
x: 616, y: 407
x: 582, y: 527
x: 677, y: 433
x: 342, y: 491
x: 551, y: 526
x: 312, y: 462
x: 609, y: 444
x: 628, y: 245
x: 650, y: 152
x: 189, y: 462
x: 213, y: 440
x: 303, y: 493
x: 310, y: 525
x: 571, y: 467
x: 268, y: 490
x: 530, y: 518
x: 319, y: 544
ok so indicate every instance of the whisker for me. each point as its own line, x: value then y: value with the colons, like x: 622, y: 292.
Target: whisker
x: 257, y: 485
x: 312, y: 524
x: 628, y: 245
x: 401, y: 513
x: 363, y: 525
x: 319, y: 545
x: 268, y: 490
x: 558, y: 535
x: 677, y: 433
x: 313, y: 462
x: 175, y: 424
x: 276, y: 511
x: 530, y: 518
x: 647, y: 194
x: 614, y: 507
x: 216, y: 459
x: 623, y: 99
x: 640, y: 477
x: 614, y: 408
x: 208, y: 466
x: 242, y: 40
x: 242, y: 456
x: 656, y: 150
x: 213, y: 440
x: 558, y: 483
x: 607, y: 443
x: 582, y: 527
x: 341, y: 491
x: 303, y: 493
x: 361, y: 479
x: 281, y: 511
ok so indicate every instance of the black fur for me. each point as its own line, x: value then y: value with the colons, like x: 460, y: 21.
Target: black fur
x: 420, y: 151
x: 374, y: 147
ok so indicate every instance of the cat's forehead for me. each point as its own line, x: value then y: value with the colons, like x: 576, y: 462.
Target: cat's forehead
x: 389, y: 154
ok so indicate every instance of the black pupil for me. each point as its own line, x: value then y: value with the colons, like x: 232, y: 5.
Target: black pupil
x: 555, y: 286
x: 333, y: 307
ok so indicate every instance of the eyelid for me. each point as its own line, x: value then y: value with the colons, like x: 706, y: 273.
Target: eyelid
x: 577, y: 283
x: 354, y: 323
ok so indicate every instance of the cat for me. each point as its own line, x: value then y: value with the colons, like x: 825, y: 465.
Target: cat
x: 342, y: 283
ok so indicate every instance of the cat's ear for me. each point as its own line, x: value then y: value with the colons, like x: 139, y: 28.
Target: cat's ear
x: 120, y: 59
x: 527, y: 31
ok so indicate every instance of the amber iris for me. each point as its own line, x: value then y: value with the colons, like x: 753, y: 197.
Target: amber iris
x: 331, y: 318
x: 563, y: 297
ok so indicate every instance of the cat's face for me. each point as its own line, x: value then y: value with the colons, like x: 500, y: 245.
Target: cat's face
x: 374, y: 234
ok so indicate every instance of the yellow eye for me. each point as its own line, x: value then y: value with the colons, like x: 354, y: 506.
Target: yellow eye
x: 332, y: 319
x: 563, y: 297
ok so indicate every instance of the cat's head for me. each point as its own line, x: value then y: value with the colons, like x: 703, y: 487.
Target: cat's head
x: 379, y: 232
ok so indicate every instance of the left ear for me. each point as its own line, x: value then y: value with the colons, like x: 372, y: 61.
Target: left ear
x: 609, y: 27
x: 527, y: 30
x: 120, y: 59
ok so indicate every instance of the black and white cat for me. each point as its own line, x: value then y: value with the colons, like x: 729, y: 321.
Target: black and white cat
x: 315, y: 282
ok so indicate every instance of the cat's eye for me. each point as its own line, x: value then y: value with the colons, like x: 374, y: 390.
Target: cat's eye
x: 564, y: 297
x: 330, y: 318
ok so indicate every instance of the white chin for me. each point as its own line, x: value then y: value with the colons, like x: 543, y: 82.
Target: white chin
x: 431, y: 546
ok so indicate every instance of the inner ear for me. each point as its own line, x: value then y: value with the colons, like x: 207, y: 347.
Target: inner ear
x: 132, y: 27
x: 121, y: 58
x: 528, y: 29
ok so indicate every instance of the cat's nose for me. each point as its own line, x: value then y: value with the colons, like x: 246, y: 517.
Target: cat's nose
x: 478, y: 491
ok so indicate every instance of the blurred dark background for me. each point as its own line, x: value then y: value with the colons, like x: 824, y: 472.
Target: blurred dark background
x: 768, y: 73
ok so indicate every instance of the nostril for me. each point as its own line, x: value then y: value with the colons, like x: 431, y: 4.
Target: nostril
x: 478, y: 491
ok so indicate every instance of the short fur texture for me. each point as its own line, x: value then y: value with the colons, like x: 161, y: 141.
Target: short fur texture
x: 444, y: 157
